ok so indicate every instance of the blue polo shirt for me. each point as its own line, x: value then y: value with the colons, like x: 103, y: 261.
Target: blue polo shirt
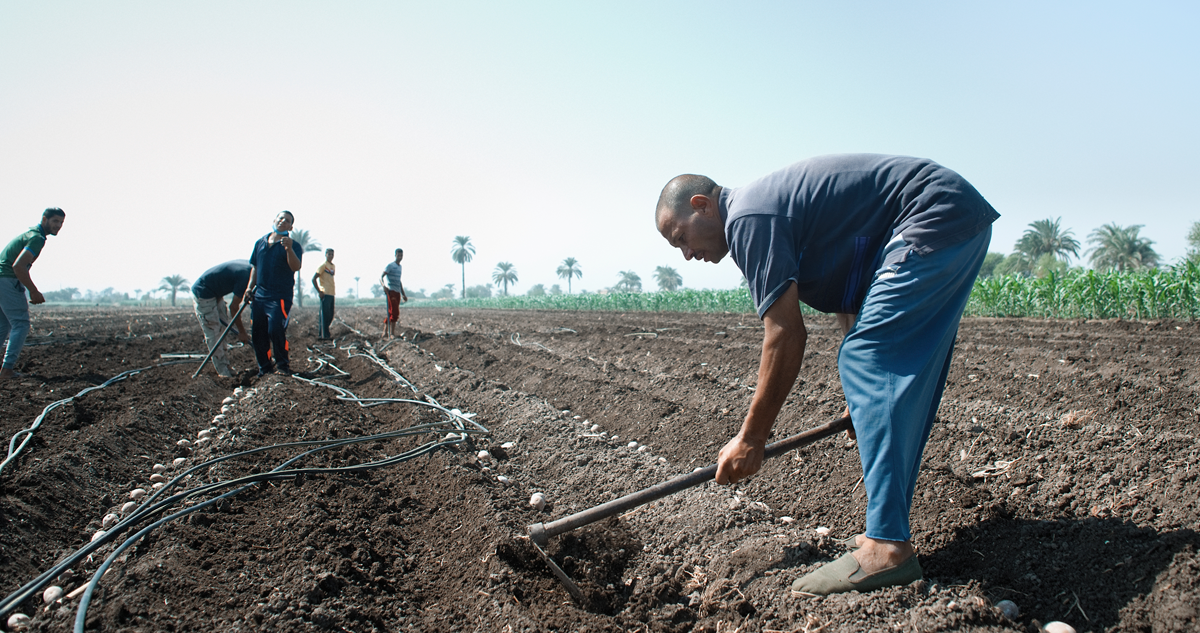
x: 274, y: 279
x: 231, y: 277
x: 822, y: 223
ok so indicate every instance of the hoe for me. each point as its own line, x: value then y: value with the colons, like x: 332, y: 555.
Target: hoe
x: 540, y: 533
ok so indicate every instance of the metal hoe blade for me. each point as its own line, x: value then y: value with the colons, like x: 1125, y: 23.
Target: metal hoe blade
x: 566, y: 581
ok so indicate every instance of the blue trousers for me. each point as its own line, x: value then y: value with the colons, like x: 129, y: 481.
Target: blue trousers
x: 269, y: 332
x: 893, y: 367
x: 14, y: 319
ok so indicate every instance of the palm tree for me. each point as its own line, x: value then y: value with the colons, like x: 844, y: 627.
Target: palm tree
x: 630, y: 281
x: 1046, y: 236
x: 174, y: 284
x: 307, y: 245
x: 505, y: 273
x: 568, y: 269
x: 461, y: 251
x: 667, y: 278
x: 1121, y: 248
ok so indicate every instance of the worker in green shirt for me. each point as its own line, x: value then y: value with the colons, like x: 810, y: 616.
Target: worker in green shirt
x: 15, y: 260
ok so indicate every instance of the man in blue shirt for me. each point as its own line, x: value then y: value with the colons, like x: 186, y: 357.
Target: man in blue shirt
x: 208, y: 295
x: 892, y: 246
x: 273, y: 263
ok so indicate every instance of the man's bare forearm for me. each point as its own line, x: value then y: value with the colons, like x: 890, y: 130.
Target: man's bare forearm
x: 784, y: 341
x: 782, y: 358
x: 22, y: 275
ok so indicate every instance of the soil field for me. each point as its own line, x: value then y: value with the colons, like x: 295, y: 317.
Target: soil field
x: 1061, y: 475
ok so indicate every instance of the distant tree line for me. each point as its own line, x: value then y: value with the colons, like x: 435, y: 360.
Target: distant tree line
x: 1047, y: 248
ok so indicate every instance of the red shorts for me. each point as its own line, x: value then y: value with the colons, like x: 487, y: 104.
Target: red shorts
x: 393, y: 299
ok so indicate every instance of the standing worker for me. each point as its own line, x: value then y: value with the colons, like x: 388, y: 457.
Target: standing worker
x: 15, y: 261
x: 272, y: 264
x: 390, y: 280
x: 208, y: 295
x: 322, y: 281
x: 892, y: 246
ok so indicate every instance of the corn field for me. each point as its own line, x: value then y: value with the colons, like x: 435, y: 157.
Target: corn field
x: 737, y: 300
x: 1162, y: 293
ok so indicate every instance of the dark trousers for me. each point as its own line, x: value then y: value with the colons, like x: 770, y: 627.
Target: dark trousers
x: 326, y: 317
x: 269, y: 331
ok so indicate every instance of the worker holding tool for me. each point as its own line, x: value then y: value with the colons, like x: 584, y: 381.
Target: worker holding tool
x: 273, y: 263
x: 208, y: 296
x: 15, y: 260
x: 322, y: 282
x: 892, y: 246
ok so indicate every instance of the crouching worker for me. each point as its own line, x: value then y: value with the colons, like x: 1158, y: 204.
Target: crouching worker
x: 273, y: 263
x: 208, y: 295
x: 891, y: 245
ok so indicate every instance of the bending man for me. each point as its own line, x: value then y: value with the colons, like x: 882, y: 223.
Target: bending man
x: 15, y: 260
x: 208, y: 295
x: 272, y: 264
x: 892, y: 245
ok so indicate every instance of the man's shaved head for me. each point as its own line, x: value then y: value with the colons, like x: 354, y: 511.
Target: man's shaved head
x: 677, y: 195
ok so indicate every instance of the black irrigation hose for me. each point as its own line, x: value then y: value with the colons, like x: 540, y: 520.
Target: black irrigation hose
x: 278, y: 473
x: 149, y: 508
x: 14, y: 450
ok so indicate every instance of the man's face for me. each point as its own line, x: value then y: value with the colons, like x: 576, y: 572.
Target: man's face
x: 329, y: 255
x: 53, y: 224
x: 399, y: 256
x: 698, y: 235
x: 283, y: 222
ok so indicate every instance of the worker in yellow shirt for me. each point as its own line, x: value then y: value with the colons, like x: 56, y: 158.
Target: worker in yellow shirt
x: 323, y: 282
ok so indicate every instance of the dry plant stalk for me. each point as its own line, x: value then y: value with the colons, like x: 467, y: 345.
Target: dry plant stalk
x: 698, y: 580
x: 1076, y: 418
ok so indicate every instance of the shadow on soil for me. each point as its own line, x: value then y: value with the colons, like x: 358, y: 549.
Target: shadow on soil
x: 1077, y: 569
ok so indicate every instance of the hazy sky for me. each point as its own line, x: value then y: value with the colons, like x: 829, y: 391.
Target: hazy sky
x: 172, y: 133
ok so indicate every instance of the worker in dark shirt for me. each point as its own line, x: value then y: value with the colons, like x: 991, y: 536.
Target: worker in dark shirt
x: 892, y: 246
x: 208, y: 295
x: 273, y: 264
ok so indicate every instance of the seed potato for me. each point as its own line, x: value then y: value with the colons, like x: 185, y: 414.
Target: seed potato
x: 51, y: 594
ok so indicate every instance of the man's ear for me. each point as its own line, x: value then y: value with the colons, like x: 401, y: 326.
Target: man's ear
x: 703, y: 204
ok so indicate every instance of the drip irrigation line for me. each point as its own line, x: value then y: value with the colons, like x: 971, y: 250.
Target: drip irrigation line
x: 456, y: 421
x: 370, y: 354
x: 280, y: 472
x: 14, y: 450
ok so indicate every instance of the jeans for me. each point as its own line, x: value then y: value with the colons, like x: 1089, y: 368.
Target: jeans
x: 14, y: 318
x: 326, y: 316
x: 893, y: 367
x: 213, y: 315
x: 269, y: 332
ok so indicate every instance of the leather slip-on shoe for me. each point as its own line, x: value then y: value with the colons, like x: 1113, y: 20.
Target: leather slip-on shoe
x: 844, y: 574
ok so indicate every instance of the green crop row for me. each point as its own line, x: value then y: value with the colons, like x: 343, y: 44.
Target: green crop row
x: 1172, y: 292
x: 1161, y: 293
x: 675, y: 301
